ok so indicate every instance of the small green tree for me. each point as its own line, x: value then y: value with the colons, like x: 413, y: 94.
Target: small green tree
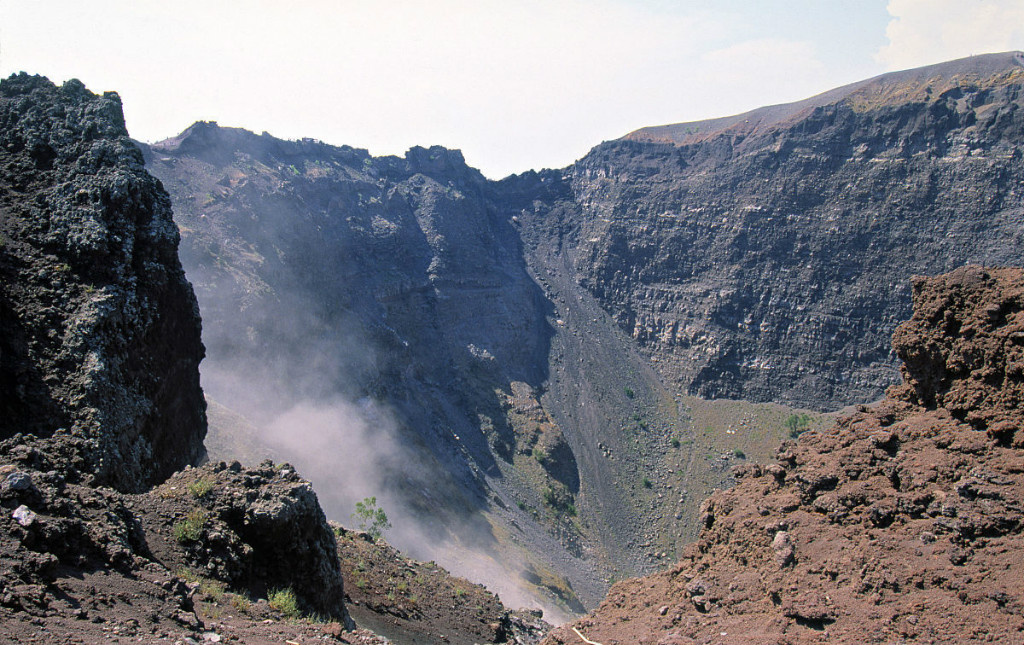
x: 371, y: 518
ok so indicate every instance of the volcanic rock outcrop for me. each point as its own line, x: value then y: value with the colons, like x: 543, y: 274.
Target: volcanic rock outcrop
x: 902, y: 523
x: 99, y: 329
x: 99, y: 354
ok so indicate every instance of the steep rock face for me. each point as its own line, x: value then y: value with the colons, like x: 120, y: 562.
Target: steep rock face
x: 766, y: 256
x: 902, y: 522
x: 386, y: 277
x: 395, y: 285
x: 99, y: 330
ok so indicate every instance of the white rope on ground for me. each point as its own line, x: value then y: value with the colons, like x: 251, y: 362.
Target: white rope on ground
x: 585, y: 639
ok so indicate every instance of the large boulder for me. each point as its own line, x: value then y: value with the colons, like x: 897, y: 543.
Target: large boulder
x: 99, y: 329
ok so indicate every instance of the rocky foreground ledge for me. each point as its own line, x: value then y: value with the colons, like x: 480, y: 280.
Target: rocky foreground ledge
x: 901, y: 524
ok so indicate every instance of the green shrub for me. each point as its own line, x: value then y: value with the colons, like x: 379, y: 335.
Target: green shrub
x: 675, y: 442
x: 190, y: 529
x: 284, y: 601
x: 213, y: 589
x: 797, y: 424
x: 629, y: 392
x: 241, y: 603
x: 739, y: 454
x: 200, y: 487
x: 646, y: 482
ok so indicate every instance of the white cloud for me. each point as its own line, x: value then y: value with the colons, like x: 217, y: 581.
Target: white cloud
x: 923, y: 32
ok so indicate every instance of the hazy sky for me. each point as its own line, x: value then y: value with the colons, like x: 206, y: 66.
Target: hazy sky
x: 514, y: 84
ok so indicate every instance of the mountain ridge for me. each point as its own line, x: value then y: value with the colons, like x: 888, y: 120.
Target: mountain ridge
x: 917, y: 83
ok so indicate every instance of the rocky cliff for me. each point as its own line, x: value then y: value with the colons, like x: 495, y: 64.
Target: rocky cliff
x: 99, y: 330
x: 901, y: 523
x: 765, y: 256
x: 390, y: 296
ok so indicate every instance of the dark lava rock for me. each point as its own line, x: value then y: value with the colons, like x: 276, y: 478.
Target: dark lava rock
x: 258, y: 529
x: 903, y: 523
x: 100, y: 399
x: 99, y: 329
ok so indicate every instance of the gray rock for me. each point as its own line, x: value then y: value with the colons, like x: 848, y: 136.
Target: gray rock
x: 24, y: 515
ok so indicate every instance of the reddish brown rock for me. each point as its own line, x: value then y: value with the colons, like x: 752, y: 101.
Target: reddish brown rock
x: 902, y: 523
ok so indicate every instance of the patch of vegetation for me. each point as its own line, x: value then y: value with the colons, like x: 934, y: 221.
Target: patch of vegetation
x: 372, y: 519
x: 797, y: 424
x: 739, y: 454
x: 675, y: 442
x: 646, y: 481
x: 629, y: 392
x: 215, y: 590
x: 188, y: 575
x: 284, y: 601
x: 540, y: 456
x: 190, y: 529
x: 560, y: 500
x: 240, y: 603
x: 200, y: 487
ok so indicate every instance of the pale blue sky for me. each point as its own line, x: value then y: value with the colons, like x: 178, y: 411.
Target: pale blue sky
x: 514, y: 84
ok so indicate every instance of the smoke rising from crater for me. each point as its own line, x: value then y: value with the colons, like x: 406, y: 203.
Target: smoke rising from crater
x: 353, y: 449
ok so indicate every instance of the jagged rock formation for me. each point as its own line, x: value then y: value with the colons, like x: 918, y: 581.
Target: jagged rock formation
x: 901, y: 523
x: 99, y: 330
x: 766, y: 256
x: 90, y: 559
x: 100, y: 399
